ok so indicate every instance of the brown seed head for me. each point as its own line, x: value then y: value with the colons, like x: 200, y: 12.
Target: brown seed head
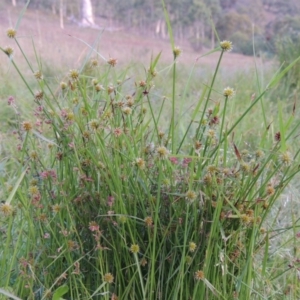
x: 8, y: 51
x: 199, y: 275
x: 27, y: 126
x: 112, y: 61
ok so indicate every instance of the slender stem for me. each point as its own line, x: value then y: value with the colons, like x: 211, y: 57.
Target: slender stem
x: 223, y: 118
x: 154, y: 249
x: 173, y: 108
x: 209, y: 93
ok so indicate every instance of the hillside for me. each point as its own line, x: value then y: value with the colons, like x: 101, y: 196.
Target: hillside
x: 66, y: 47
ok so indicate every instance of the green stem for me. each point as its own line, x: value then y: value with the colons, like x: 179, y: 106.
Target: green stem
x: 154, y: 255
x: 209, y: 93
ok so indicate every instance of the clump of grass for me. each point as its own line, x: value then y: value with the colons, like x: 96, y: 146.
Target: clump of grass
x: 111, y: 203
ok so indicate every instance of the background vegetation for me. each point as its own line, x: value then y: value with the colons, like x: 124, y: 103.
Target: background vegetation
x: 265, y: 21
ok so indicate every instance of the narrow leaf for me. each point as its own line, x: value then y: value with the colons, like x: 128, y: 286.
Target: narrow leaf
x: 59, y: 292
x: 8, y: 294
x: 13, y: 192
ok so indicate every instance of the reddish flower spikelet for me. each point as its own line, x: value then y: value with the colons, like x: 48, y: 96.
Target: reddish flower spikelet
x: 117, y: 132
x: 110, y: 201
x: 93, y: 226
x: 277, y: 136
x: 174, y: 160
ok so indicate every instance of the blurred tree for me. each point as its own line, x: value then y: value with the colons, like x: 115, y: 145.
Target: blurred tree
x: 226, y: 4
x: 255, y: 11
x: 282, y: 7
x: 232, y: 22
x: 87, y: 18
x: 61, y: 14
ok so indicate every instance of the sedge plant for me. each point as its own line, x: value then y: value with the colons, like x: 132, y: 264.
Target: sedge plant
x: 108, y: 202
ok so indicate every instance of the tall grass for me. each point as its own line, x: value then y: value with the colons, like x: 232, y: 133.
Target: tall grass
x: 107, y: 201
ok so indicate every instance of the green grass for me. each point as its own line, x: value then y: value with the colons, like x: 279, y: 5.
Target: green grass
x: 148, y: 183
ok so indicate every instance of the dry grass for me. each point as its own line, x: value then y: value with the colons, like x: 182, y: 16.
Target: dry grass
x: 64, y: 48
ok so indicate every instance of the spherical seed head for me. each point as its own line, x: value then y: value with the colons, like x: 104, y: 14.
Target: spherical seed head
x: 245, y: 167
x: 207, y: 179
x: 112, y: 61
x: 161, y: 134
x: 47, y: 294
x: 33, y: 155
x: 190, y: 196
x: 123, y: 219
x: 114, y: 297
x: 153, y: 72
x: 176, y: 51
x: 74, y: 74
x: 198, y: 145
x: 166, y: 182
x: 127, y: 110
x: 140, y: 163
x: 250, y: 212
x: 95, y: 82
x: 110, y: 89
x: 135, y: 248
x: 9, y: 51
x: 27, y: 126
x: 149, y: 221
x: 93, y: 226
x: 192, y: 246
x: 262, y: 230
x: 6, y: 209
x: 70, y: 116
x: 226, y: 46
x: 259, y: 154
x: 33, y: 190
x: 212, y: 169
x: 56, y: 208
x: 63, y: 85
x: 11, y: 33
x: 130, y: 102
x: 245, y: 219
x: 118, y: 131
x: 228, y: 92
x: 33, y: 182
x: 39, y: 95
x: 94, y: 63
x: 211, y: 133
x: 94, y: 124
x: 108, y: 278
x: 143, y: 262
x: 270, y: 190
x: 142, y: 83
x: 188, y: 260
x: 162, y: 152
x: 199, y: 275
x: 38, y: 75
x: 86, y: 135
x: 71, y: 245
x: 286, y: 158
x: 99, y: 87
